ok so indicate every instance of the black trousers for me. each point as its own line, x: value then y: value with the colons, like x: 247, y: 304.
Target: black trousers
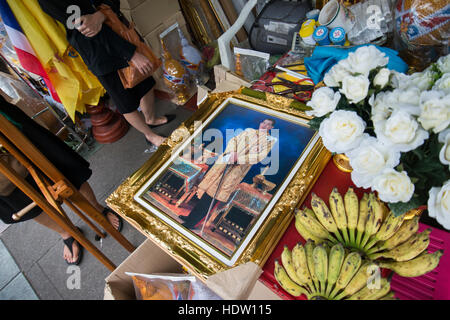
x: 200, y: 211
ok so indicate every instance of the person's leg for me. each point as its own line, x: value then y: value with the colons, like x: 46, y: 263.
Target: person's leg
x: 148, y: 109
x: 136, y: 119
x: 88, y: 193
x: 46, y: 221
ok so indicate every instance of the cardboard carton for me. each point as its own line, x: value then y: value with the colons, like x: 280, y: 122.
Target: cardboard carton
x: 149, y: 258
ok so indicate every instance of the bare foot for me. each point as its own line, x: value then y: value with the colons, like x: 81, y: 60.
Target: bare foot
x: 156, y: 140
x: 68, y: 255
x: 112, y: 218
x: 158, y: 121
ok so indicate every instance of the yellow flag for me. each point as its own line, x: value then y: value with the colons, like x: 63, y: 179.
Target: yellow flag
x: 75, y: 84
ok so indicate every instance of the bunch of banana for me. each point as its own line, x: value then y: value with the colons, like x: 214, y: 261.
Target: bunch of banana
x: 329, y: 273
x: 369, y: 227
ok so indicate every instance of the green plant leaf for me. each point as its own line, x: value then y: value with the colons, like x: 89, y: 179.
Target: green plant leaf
x: 400, y: 208
x: 315, y: 122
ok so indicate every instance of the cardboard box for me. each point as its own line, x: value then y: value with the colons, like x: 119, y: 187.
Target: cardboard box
x: 148, y: 259
x: 153, y: 40
x: 151, y: 18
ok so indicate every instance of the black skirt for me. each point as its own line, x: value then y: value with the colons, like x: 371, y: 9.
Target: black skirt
x: 125, y: 100
x: 73, y: 166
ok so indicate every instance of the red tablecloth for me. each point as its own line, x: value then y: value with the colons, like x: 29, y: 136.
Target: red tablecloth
x: 432, y: 286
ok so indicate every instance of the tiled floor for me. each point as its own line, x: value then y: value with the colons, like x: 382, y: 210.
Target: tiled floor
x: 31, y: 263
x: 13, y: 284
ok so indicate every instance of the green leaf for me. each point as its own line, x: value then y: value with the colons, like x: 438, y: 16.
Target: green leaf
x: 400, y: 208
x: 315, y: 122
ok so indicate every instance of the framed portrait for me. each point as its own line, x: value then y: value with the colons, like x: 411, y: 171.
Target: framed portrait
x: 223, y: 189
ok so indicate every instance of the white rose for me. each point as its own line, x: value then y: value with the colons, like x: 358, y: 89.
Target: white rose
x: 334, y: 77
x: 355, y: 88
x: 323, y: 101
x: 400, y: 131
x: 393, y: 186
x: 399, y: 80
x: 435, y: 110
x: 364, y: 59
x: 443, y: 63
x: 422, y: 80
x: 369, y: 160
x: 444, y: 155
x: 382, y: 78
x: 408, y: 97
x: 439, y: 204
x: 382, y: 106
x: 342, y: 131
x: 443, y: 83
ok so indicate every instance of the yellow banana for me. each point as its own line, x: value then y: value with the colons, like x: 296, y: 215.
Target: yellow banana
x: 311, y: 224
x: 286, y: 283
x: 379, y: 214
x: 309, y: 248
x: 320, y: 259
x: 350, y: 267
x: 408, y: 250
x: 367, y: 270
x: 304, y: 232
x: 390, y: 226
x: 372, y: 293
x: 286, y: 260
x: 373, y: 219
x: 406, y: 231
x: 416, y: 267
x: 362, y: 219
x: 335, y: 260
x: 324, y: 215
x: 337, y: 209
x: 351, y: 203
x: 301, y: 266
x: 389, y: 296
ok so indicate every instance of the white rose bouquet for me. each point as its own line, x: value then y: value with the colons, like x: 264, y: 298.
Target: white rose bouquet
x: 394, y: 128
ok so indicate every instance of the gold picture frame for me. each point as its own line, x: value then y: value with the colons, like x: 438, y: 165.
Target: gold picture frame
x: 130, y: 199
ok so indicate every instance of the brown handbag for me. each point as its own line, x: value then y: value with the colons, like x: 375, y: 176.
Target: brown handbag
x: 130, y: 76
x: 6, y: 186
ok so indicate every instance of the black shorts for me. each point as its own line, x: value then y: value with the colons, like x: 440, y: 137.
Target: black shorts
x: 15, y: 202
x: 125, y: 100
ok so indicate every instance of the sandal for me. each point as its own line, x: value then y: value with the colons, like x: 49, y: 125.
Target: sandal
x: 107, y: 210
x: 69, y: 243
x: 170, y: 118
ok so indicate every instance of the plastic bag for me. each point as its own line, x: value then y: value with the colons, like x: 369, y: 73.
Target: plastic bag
x: 374, y: 20
x: 422, y: 31
x: 250, y: 64
x: 170, y: 287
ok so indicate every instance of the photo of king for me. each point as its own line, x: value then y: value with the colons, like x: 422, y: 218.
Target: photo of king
x: 242, y: 152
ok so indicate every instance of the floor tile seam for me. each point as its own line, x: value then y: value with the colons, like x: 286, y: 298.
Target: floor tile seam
x: 49, y: 281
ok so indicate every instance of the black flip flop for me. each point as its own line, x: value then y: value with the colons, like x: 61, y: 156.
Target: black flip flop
x: 170, y: 118
x: 69, y: 243
x: 105, y: 212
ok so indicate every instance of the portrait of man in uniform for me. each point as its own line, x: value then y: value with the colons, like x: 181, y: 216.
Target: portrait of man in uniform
x: 242, y: 152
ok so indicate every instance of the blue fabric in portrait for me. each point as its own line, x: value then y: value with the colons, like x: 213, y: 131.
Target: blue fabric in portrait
x: 292, y: 139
